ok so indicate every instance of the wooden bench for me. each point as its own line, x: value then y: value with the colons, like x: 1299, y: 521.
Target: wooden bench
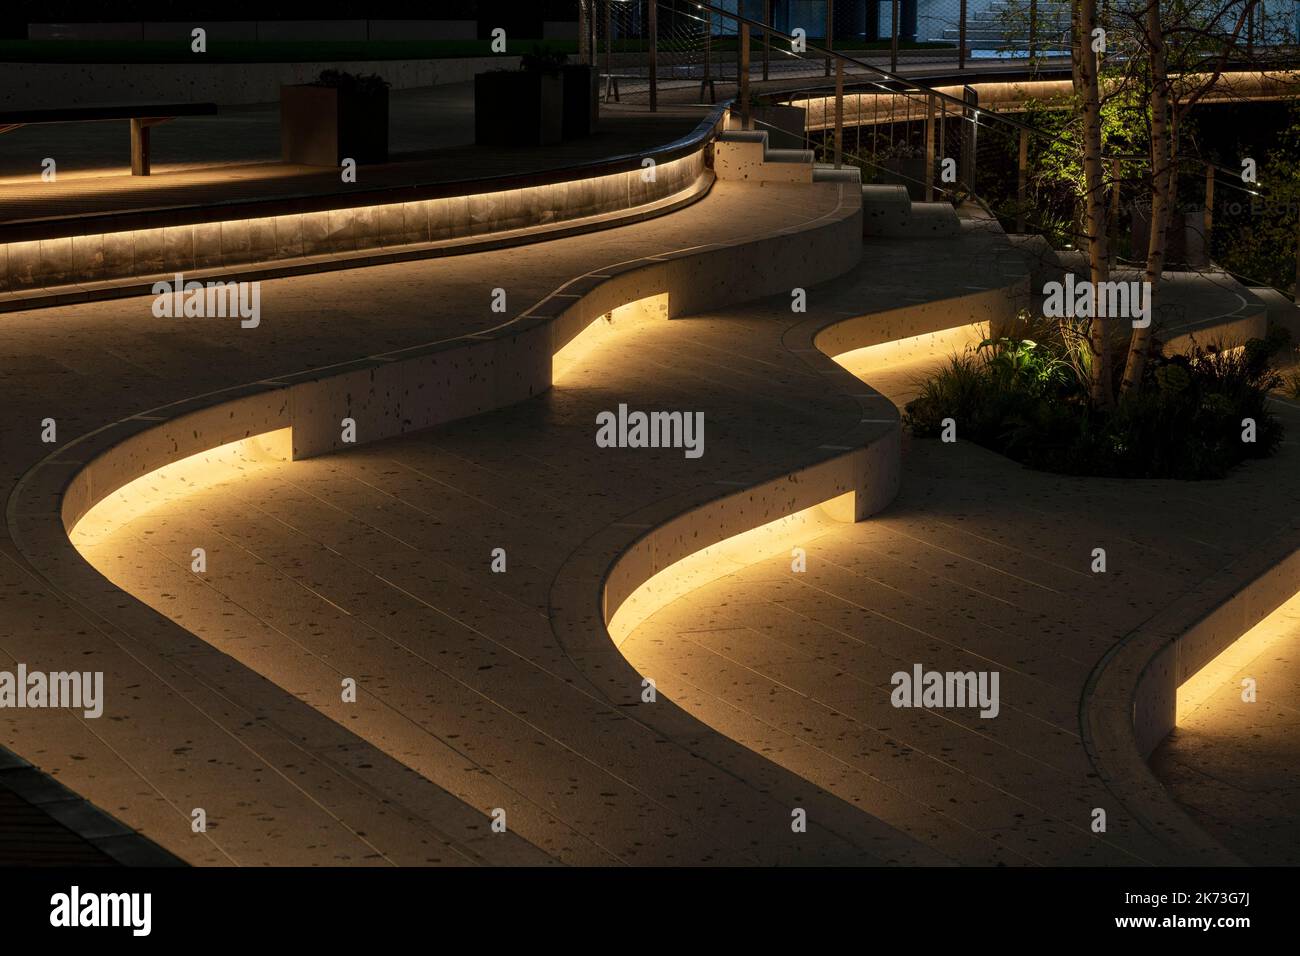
x: 142, y: 118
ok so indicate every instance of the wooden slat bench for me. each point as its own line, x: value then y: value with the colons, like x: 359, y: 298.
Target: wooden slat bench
x: 142, y: 117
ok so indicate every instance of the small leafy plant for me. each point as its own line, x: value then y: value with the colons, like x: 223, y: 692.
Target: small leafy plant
x: 542, y: 59
x: 365, y: 84
x: 1027, y: 398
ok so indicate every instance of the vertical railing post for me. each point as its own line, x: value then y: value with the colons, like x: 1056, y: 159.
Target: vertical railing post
x: 744, y: 76
x: 654, y: 56
x: 737, y: 57
x: 839, y: 114
x: 969, y: 140
x: 584, y: 31
x: 707, y: 81
x: 830, y: 33
x: 1033, y: 29
x: 893, y: 36
x: 609, y: 40
x: 929, y: 148
x: 943, y: 117
x: 1296, y: 296
x: 961, y: 37
x: 1022, y: 181
x: 767, y: 36
x: 1208, y: 223
x: 1115, y: 199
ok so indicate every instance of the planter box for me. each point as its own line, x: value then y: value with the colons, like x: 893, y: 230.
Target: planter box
x: 581, y: 99
x: 322, y: 126
x: 518, y: 108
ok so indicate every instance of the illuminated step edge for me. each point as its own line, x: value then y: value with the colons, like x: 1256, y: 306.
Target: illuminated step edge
x: 57, y: 271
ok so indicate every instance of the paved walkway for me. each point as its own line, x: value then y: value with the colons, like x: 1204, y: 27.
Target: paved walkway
x: 29, y: 838
x: 419, y: 120
x: 1235, y: 766
x: 773, y: 686
x: 316, y: 791
x: 979, y: 565
x: 234, y: 156
x: 375, y: 562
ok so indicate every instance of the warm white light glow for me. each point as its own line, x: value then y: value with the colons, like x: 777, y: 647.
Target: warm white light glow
x: 1234, y: 663
x: 178, y: 480
x: 896, y: 369
x: 726, y: 557
x: 582, y: 348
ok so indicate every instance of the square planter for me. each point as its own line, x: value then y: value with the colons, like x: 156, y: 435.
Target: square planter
x: 518, y: 108
x: 581, y: 98
x: 323, y: 125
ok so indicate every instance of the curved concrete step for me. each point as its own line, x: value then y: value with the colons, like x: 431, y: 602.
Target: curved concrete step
x: 512, y: 665
x: 935, y: 219
x: 889, y: 197
x: 827, y: 173
x: 888, y: 212
x: 198, y: 726
x: 804, y: 156
x: 746, y: 155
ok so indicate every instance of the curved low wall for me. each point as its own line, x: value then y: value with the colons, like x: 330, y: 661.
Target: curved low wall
x: 399, y: 392
x: 395, y: 224
x: 852, y: 482
x: 1130, y: 703
x: 391, y: 394
x: 851, y: 486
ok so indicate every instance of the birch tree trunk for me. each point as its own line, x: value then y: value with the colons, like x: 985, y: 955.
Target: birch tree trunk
x: 1087, y: 88
x: 1163, y: 155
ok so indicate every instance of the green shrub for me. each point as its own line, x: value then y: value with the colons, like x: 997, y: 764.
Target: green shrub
x: 543, y: 58
x: 366, y: 84
x: 1028, y: 399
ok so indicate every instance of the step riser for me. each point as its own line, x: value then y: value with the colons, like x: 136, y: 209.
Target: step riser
x: 919, y: 221
x: 744, y: 155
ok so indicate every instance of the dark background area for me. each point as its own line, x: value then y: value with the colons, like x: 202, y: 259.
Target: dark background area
x: 518, y: 17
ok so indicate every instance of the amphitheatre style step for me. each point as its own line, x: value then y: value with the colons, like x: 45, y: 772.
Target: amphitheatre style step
x: 746, y: 155
x: 827, y: 173
x: 344, y: 790
x: 933, y: 219
x: 1193, y: 309
x: 479, y: 692
x: 888, y: 212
